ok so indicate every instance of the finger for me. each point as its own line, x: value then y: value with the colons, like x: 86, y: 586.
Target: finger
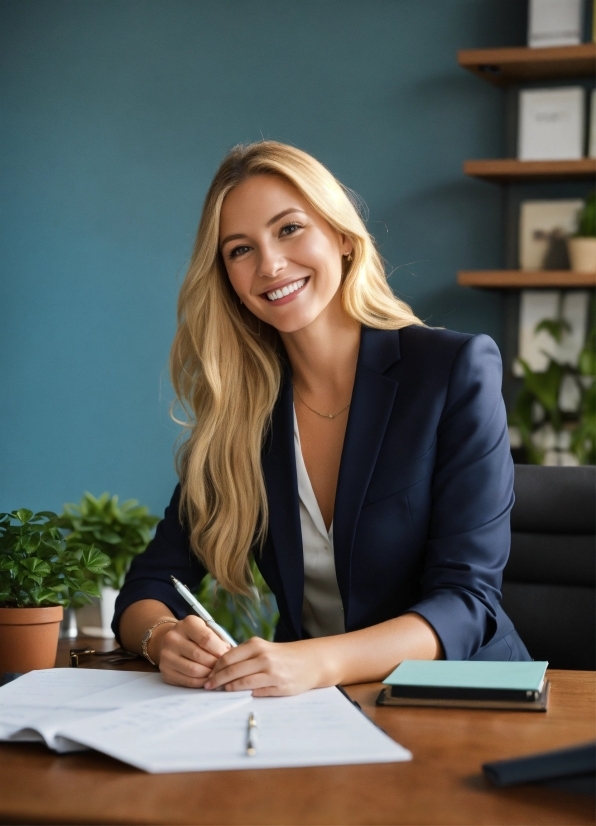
x: 237, y: 671
x: 173, y: 677
x: 198, y: 631
x: 190, y: 650
x: 247, y: 650
x: 171, y: 661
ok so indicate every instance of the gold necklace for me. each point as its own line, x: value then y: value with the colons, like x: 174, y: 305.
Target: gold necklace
x: 323, y: 415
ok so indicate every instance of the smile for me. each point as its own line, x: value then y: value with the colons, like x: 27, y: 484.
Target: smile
x: 282, y: 292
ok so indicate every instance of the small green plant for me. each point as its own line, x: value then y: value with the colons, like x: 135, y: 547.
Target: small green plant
x: 120, y: 531
x: 39, y: 568
x: 242, y: 616
x: 538, y: 403
x: 586, y: 219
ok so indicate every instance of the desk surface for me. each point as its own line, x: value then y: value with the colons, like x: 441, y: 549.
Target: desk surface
x: 442, y: 784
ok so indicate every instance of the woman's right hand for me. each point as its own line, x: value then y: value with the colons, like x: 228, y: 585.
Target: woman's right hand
x: 187, y: 652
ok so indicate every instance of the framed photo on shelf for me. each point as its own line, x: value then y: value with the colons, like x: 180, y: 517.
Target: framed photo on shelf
x: 544, y: 227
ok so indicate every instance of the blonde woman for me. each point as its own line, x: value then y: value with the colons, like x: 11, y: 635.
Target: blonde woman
x: 361, y: 456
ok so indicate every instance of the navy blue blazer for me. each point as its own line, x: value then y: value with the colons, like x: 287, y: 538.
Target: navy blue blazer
x: 421, y: 517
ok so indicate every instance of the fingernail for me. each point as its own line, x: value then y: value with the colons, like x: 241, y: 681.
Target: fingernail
x: 208, y: 684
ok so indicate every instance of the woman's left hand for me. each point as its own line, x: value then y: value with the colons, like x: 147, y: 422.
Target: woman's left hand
x: 269, y: 669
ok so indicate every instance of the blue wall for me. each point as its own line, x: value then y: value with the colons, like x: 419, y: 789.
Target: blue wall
x: 115, y: 116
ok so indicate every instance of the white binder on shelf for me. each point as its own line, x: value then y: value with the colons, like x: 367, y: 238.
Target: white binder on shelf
x: 554, y: 23
x: 551, y: 124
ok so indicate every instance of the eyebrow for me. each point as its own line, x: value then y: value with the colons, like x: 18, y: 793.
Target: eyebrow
x: 268, y: 224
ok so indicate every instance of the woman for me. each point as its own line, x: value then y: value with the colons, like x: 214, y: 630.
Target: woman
x: 361, y: 456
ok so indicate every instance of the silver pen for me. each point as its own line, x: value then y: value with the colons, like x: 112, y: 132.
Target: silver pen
x: 251, y: 736
x: 203, y: 613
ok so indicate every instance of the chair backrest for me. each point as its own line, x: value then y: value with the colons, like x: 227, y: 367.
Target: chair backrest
x: 549, y: 581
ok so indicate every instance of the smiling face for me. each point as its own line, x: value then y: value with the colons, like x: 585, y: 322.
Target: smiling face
x: 283, y: 259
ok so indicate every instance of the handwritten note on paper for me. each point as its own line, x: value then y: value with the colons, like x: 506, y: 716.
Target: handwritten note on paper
x: 318, y: 728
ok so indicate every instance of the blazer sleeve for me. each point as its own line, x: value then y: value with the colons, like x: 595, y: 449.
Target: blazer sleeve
x: 149, y: 574
x: 472, y: 495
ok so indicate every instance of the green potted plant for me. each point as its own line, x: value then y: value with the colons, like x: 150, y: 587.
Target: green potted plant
x: 40, y: 575
x: 548, y: 431
x: 121, y: 531
x: 582, y: 245
x: 244, y: 617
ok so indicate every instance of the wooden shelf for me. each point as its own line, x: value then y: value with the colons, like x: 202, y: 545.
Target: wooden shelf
x: 503, y: 66
x: 514, y: 279
x: 509, y: 170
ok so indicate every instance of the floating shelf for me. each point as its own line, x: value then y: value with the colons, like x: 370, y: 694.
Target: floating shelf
x: 514, y: 279
x: 509, y: 170
x: 503, y: 66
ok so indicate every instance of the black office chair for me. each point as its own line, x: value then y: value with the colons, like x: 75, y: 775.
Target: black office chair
x: 549, y: 581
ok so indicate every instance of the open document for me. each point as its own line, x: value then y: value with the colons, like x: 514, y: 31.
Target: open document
x: 160, y: 728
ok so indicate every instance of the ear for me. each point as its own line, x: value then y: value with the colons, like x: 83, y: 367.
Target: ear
x: 346, y: 245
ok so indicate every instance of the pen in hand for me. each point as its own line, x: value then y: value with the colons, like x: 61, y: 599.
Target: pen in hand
x: 203, y: 613
x: 251, y: 736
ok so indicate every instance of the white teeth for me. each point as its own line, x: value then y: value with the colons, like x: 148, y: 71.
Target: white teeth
x: 289, y: 288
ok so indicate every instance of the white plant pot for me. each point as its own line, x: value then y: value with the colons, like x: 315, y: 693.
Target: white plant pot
x: 106, y: 607
x: 582, y: 254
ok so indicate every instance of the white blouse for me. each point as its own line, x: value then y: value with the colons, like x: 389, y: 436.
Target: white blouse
x: 322, y: 608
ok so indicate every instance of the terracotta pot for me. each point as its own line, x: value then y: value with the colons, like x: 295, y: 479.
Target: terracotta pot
x: 29, y: 638
x: 582, y: 253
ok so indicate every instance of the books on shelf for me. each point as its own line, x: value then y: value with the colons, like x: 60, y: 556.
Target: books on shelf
x: 554, y: 23
x: 544, y: 227
x: 551, y: 124
x: 513, y: 686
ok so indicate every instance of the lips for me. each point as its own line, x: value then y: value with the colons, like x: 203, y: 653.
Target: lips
x: 287, y: 289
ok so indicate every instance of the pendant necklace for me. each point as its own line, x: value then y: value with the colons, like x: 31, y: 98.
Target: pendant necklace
x: 322, y: 415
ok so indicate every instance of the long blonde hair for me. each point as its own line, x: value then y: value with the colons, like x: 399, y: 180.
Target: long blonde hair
x: 226, y: 367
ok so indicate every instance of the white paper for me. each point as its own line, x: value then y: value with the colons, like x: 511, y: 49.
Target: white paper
x: 36, y: 706
x: 551, y: 124
x: 554, y: 23
x: 318, y: 728
x: 57, y: 687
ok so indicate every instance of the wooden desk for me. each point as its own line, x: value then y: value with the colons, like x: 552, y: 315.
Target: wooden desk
x: 442, y: 785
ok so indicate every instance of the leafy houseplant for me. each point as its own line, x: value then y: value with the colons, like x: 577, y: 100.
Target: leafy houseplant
x: 119, y: 531
x: 242, y: 616
x: 582, y: 246
x: 538, y: 414
x: 40, y: 574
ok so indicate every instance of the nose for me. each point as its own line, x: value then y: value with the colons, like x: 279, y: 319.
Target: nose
x: 271, y: 262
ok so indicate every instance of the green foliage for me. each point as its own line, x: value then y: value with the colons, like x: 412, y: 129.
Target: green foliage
x: 39, y: 568
x: 586, y: 227
x: 120, y: 531
x: 538, y: 401
x: 242, y: 616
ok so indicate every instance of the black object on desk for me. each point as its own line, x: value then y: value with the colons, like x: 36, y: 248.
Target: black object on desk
x: 572, y: 769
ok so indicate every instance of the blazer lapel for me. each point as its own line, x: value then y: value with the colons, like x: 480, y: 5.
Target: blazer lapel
x: 372, y: 401
x: 279, y: 469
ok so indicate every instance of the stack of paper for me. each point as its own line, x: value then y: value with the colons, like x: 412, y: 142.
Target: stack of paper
x: 140, y: 720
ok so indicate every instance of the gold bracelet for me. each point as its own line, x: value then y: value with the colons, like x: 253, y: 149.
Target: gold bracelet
x: 147, y: 636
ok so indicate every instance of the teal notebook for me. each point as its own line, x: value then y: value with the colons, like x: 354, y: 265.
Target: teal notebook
x: 515, y: 676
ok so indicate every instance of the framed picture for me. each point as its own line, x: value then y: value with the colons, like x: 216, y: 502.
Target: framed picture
x: 544, y: 227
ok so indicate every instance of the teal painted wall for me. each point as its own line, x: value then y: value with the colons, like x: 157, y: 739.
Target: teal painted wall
x: 115, y: 114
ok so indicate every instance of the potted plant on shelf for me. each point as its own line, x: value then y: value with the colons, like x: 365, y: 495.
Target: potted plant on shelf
x: 121, y: 531
x: 582, y: 245
x: 40, y: 575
